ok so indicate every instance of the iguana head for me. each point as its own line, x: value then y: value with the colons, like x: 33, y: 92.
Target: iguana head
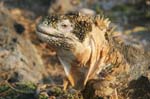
x: 61, y: 31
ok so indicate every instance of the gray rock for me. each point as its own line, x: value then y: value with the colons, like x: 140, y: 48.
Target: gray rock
x: 19, y: 59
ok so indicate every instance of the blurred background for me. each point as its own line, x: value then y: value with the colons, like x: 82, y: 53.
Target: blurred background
x: 23, y: 57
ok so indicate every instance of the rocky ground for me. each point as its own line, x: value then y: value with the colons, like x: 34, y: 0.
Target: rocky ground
x: 30, y: 70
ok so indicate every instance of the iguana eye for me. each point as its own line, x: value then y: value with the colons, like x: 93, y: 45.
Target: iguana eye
x: 45, y: 22
x: 64, y: 25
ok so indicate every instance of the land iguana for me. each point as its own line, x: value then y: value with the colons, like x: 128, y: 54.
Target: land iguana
x: 87, y: 49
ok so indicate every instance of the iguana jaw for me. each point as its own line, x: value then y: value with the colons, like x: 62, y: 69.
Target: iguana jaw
x: 49, y: 31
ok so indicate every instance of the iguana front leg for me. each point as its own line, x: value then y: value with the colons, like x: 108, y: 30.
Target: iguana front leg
x: 74, y: 74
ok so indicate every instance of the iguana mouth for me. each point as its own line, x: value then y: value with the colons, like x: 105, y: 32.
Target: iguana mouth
x: 42, y: 31
x: 55, y: 34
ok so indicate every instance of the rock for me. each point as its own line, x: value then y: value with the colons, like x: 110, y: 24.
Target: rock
x: 64, y: 6
x: 19, y: 59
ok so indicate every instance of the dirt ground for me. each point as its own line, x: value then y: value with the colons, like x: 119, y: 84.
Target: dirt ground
x: 30, y: 70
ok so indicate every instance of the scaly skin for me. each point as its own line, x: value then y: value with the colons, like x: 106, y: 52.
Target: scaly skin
x: 86, y: 49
